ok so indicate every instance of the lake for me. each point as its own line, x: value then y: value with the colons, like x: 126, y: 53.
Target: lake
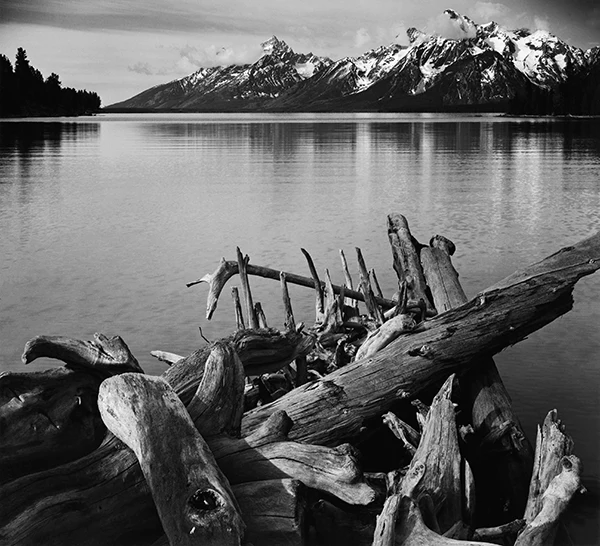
x: 104, y: 219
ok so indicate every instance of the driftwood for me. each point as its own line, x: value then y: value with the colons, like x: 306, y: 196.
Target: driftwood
x: 406, y: 260
x: 106, y: 497
x: 192, y: 496
x: 48, y: 418
x: 334, y: 408
x: 367, y: 290
x: 104, y: 355
x: 165, y: 356
x: 228, y: 269
x: 51, y: 417
x: 112, y: 479
x: 555, y: 480
x: 437, y: 477
x: 504, y: 456
x: 275, y: 511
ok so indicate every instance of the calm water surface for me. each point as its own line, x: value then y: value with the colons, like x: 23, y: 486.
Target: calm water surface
x: 103, y: 220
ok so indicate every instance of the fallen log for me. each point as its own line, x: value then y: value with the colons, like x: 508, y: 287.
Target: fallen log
x: 334, y: 408
x: 192, y: 496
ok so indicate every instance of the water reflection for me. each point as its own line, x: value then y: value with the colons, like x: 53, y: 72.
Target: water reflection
x: 285, y: 140
x: 25, y: 139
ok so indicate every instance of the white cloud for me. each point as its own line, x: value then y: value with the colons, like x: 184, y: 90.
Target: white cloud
x: 362, y: 37
x: 193, y: 57
x: 141, y: 68
x: 452, y: 28
x: 541, y: 23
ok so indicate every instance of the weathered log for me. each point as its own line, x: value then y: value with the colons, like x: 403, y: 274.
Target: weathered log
x: 333, y: 409
x: 111, y: 478
x: 218, y: 404
x: 556, y: 479
x: 406, y: 260
x: 440, y: 275
x: 192, y: 496
x: 504, y: 456
x: 267, y: 454
x: 227, y: 269
x: 46, y: 419
x: 438, y: 452
x: 50, y: 417
x: 274, y: 512
x: 107, y: 356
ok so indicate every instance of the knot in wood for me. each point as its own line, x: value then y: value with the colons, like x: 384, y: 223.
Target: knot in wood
x: 204, y: 500
x: 424, y: 350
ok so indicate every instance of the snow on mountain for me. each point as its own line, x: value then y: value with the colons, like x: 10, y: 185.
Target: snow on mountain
x: 493, y: 57
x: 545, y: 59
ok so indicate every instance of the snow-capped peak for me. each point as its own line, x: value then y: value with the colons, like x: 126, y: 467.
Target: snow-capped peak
x: 466, y: 27
x: 274, y: 46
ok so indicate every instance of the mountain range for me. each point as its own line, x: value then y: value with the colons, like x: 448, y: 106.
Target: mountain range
x: 486, y: 69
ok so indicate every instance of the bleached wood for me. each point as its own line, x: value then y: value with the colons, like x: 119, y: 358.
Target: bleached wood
x: 105, y: 355
x: 334, y: 408
x: 192, y: 496
x: 227, y: 269
x: 406, y: 260
x: 505, y: 457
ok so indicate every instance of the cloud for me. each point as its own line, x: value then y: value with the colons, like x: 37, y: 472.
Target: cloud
x: 365, y: 39
x: 141, y: 68
x: 541, y: 23
x: 449, y: 26
x: 191, y: 57
x: 362, y: 37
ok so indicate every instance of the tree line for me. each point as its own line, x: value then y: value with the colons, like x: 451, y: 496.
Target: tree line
x: 25, y: 92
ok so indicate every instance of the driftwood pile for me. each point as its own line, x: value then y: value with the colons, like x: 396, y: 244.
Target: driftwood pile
x: 388, y: 427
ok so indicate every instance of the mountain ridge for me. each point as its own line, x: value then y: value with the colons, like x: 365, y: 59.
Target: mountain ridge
x: 483, y: 67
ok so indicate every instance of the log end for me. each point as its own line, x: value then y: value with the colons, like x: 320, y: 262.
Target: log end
x: 213, y: 519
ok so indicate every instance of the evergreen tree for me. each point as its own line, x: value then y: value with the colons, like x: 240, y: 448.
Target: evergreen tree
x: 24, y: 92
